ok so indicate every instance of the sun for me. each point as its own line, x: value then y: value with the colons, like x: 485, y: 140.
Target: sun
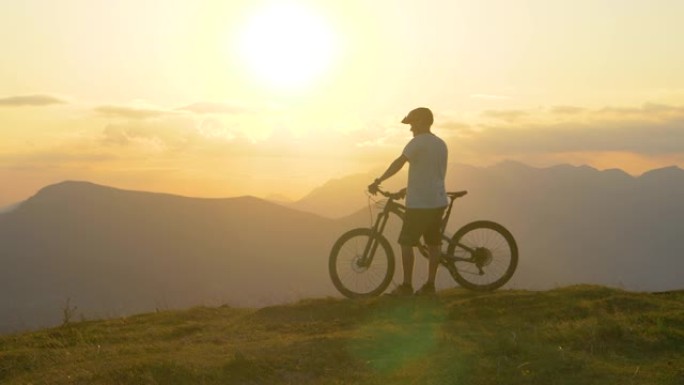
x: 287, y: 45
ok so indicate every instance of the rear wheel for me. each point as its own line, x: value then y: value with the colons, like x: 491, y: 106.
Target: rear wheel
x: 482, y: 256
x: 354, y: 277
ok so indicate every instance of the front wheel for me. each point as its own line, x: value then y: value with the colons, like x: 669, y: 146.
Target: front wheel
x: 482, y: 256
x: 355, y: 276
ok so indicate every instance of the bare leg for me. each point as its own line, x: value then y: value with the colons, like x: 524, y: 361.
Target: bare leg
x: 407, y: 259
x: 435, y: 254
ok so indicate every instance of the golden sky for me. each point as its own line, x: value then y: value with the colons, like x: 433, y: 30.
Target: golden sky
x: 224, y: 98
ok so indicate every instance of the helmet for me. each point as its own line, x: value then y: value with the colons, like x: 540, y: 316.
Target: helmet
x: 420, y: 114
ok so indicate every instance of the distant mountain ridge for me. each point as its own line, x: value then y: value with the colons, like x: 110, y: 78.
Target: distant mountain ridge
x: 327, y: 199
x: 9, y: 208
x: 113, y: 252
x: 116, y: 252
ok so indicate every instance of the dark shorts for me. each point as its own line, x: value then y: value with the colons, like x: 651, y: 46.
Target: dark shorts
x: 424, y: 223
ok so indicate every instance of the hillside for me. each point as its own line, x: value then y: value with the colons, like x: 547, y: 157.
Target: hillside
x: 576, y: 335
x: 9, y: 208
x: 113, y: 252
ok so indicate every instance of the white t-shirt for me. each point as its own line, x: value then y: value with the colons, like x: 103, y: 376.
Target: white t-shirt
x: 427, y: 155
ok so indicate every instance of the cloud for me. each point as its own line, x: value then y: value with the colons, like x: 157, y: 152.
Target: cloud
x: 173, y: 134
x: 161, y: 134
x: 214, y: 108
x: 649, y: 111
x: 134, y: 113
x: 567, y: 110
x: 454, y: 126
x: 650, y: 130
x: 505, y: 115
x: 54, y: 158
x: 30, y: 100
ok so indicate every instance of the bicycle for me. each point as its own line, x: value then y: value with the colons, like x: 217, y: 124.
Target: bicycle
x: 481, y: 255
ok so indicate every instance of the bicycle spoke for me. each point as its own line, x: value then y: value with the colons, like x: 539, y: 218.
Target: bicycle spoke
x: 361, y: 278
x: 485, y: 255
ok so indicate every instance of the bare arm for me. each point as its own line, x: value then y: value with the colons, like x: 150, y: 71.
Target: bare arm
x: 394, y: 168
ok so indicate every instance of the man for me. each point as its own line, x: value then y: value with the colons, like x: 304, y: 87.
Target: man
x: 425, y: 197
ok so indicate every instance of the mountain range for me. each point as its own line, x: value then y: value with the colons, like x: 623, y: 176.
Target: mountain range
x: 102, y: 252
x: 111, y: 252
x: 573, y: 224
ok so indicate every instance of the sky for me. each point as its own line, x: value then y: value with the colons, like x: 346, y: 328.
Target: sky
x: 273, y: 98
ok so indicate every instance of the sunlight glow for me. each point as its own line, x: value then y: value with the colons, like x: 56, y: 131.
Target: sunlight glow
x: 287, y: 45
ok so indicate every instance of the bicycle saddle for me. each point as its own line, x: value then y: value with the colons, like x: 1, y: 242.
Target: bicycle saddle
x: 456, y: 194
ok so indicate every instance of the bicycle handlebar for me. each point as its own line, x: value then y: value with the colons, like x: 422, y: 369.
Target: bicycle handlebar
x: 401, y: 194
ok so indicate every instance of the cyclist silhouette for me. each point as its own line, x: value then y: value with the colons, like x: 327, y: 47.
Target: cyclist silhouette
x: 426, y: 197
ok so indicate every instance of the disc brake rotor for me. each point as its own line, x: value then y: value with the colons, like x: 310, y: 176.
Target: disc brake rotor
x: 357, y: 265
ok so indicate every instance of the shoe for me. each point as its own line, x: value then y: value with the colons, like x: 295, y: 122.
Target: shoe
x: 403, y: 290
x: 426, y: 290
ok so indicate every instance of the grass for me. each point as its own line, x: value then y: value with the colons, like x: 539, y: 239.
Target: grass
x: 576, y: 335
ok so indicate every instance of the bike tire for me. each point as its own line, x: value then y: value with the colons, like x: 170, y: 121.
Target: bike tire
x: 352, y: 280
x: 499, y: 264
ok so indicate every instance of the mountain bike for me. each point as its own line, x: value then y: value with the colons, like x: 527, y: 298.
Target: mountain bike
x: 481, y: 256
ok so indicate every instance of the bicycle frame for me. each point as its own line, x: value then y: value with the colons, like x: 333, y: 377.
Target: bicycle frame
x: 393, y: 207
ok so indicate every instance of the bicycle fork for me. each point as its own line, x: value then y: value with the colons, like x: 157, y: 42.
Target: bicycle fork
x: 372, y: 245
